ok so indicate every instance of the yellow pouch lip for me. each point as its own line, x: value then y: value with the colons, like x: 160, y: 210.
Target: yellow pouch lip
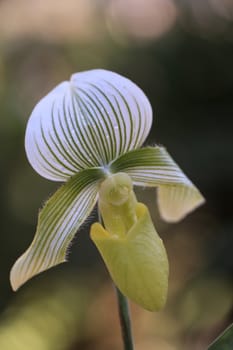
x: 98, y: 232
x: 136, y: 262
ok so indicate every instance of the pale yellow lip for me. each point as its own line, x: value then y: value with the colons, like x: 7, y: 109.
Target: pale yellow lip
x: 137, y: 262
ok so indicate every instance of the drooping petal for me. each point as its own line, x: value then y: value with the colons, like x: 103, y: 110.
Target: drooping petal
x: 152, y: 167
x: 58, y: 222
x: 86, y: 122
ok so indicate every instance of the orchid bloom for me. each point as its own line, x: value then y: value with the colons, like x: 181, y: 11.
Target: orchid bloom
x: 88, y: 133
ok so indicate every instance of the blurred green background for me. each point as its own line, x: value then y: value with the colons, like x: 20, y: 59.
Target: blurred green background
x: 180, y: 52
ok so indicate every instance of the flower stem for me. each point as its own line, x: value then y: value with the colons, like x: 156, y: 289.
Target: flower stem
x: 124, y: 315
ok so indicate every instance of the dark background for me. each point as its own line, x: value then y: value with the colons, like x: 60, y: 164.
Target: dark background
x: 180, y: 53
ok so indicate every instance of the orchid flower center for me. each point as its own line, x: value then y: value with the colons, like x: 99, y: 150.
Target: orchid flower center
x: 117, y: 204
x: 116, y: 189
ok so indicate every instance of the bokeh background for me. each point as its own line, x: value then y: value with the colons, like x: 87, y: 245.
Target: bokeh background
x: 180, y: 52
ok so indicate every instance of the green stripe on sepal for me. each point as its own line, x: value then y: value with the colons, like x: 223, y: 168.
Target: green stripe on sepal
x: 136, y: 262
x: 86, y: 122
x: 224, y: 341
x: 58, y: 222
x: 153, y: 166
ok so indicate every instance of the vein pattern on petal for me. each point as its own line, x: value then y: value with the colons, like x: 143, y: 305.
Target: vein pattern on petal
x: 85, y: 123
x: 58, y: 222
x: 154, y: 167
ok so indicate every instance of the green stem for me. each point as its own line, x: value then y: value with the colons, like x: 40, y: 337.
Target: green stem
x: 124, y: 315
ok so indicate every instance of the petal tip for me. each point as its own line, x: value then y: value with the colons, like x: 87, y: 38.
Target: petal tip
x: 15, y: 280
x: 172, y: 208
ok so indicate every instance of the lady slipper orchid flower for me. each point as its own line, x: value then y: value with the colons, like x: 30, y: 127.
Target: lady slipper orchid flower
x: 88, y: 132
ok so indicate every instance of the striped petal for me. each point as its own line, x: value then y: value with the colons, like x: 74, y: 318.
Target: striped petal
x: 152, y: 167
x: 58, y: 222
x: 86, y: 122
